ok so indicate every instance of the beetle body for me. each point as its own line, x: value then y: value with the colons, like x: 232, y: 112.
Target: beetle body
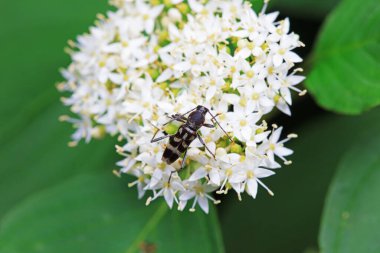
x: 178, y: 144
x: 186, y: 134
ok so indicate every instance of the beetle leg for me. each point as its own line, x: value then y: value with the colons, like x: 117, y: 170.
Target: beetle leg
x: 208, y: 125
x: 184, y: 159
x: 159, y: 138
x: 170, y: 176
x: 213, y: 118
x: 204, y: 144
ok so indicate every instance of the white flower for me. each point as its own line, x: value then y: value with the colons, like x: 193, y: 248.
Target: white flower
x: 283, y: 52
x: 167, y: 189
x: 244, y: 124
x: 247, y: 177
x: 148, y: 14
x: 273, y: 146
x: 141, y: 182
x: 200, y: 193
x: 145, y: 62
x: 211, y: 167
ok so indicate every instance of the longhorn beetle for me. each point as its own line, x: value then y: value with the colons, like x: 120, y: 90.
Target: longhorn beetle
x: 187, y: 132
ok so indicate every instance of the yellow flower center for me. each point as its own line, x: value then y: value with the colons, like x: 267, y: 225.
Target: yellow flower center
x: 250, y: 74
x: 243, y: 122
x: 276, y: 98
x: 270, y: 70
x: 250, y: 174
x: 156, y: 150
x: 145, y: 16
x: 251, y: 46
x: 255, y: 96
x: 161, y: 166
x: 199, y: 190
x: 243, y: 102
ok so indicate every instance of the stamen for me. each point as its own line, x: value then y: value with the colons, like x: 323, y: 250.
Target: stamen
x: 221, y: 191
x: 264, y: 7
x: 60, y: 86
x: 175, y: 197
x: 302, y: 93
x: 119, y: 149
x: 100, y: 16
x: 265, y: 187
x: 239, y: 196
x: 297, y: 70
x: 71, y: 43
x: 148, y: 201
x: 284, y: 140
x: 133, y: 183
x: 292, y: 136
x: 211, y: 198
x: 116, y: 173
x: 295, y: 89
x: 282, y: 158
x: 288, y: 162
x: 72, y: 144
x: 63, y: 118
x: 158, y: 194
x: 192, y: 209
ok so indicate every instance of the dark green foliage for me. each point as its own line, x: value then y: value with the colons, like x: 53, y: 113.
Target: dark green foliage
x: 59, y: 199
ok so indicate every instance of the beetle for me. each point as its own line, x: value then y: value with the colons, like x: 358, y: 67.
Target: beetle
x: 179, y: 142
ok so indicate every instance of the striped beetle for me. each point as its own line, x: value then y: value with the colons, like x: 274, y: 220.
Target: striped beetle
x: 186, y: 133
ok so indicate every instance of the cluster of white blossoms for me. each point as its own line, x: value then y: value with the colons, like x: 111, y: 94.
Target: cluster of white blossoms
x: 148, y: 60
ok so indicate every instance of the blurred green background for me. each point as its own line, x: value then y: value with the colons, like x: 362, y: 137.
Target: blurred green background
x: 59, y: 199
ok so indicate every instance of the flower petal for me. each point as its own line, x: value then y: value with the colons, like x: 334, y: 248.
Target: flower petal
x: 252, y: 187
x: 203, y: 203
x: 168, y: 195
x: 198, y: 174
x: 214, y: 177
x: 165, y: 75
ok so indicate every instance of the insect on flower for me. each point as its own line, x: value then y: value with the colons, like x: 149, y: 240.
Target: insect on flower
x: 187, y: 132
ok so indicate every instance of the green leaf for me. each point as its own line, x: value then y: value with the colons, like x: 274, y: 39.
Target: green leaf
x: 289, y: 221
x: 33, y: 144
x: 310, y: 9
x: 33, y: 150
x: 33, y: 36
x: 345, y: 76
x: 315, y: 9
x: 38, y: 157
x: 351, y: 217
x: 99, y: 214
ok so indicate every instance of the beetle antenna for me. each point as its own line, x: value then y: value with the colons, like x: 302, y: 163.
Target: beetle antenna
x: 217, y: 122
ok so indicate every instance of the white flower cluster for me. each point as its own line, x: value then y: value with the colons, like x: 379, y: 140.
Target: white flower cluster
x: 152, y: 59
